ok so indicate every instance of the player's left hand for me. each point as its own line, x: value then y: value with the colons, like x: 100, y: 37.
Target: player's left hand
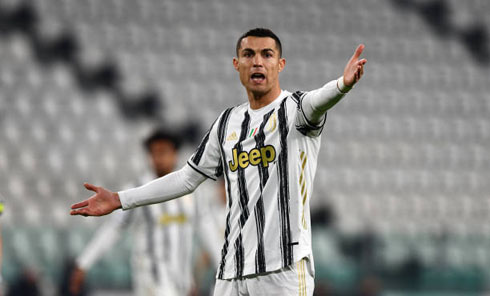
x: 354, y: 69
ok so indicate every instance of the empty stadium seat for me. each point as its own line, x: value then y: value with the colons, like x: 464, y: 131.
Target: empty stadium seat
x: 407, y: 149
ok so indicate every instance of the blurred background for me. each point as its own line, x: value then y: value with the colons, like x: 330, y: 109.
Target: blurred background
x: 402, y: 195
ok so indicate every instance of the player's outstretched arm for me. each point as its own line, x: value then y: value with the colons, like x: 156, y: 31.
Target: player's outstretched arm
x: 163, y: 189
x: 103, y: 202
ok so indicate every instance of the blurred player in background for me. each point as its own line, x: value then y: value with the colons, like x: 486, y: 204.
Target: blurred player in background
x: 1, y: 249
x: 267, y: 150
x: 161, y: 234
x: 26, y: 282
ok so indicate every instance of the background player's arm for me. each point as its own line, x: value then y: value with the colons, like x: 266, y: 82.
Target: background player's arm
x: 171, y: 186
x: 208, y: 224
x: 318, y: 101
x: 105, y: 237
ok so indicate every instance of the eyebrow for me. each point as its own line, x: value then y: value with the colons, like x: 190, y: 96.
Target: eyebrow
x: 252, y: 50
x: 268, y: 49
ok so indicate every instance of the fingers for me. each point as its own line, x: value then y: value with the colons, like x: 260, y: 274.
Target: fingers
x: 83, y: 212
x: 91, y: 187
x: 358, y: 51
x: 80, y: 205
x: 359, y: 73
x: 360, y: 68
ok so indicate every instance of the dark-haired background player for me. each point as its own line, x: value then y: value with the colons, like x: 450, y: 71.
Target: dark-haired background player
x: 161, y: 234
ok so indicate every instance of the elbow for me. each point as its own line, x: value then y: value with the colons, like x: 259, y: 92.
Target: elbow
x: 191, y: 179
x: 190, y: 186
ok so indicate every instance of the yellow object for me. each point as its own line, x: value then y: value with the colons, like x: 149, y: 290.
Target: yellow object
x: 301, y: 277
x: 166, y: 219
x: 265, y: 155
x: 232, y: 137
x: 302, y: 183
x: 272, y: 123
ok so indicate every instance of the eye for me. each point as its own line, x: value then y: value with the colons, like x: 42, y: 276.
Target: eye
x: 268, y: 55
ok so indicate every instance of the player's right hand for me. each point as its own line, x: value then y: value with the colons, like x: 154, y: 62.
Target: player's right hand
x: 103, y: 202
x: 77, y: 278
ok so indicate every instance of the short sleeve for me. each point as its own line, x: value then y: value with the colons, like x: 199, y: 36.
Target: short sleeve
x: 207, y: 158
x: 303, y: 125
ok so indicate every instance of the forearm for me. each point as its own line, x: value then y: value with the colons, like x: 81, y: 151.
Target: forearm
x: 103, y: 240
x: 176, y: 184
x: 317, y: 102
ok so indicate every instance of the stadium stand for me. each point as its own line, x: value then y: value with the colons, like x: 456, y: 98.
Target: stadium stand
x: 405, y: 157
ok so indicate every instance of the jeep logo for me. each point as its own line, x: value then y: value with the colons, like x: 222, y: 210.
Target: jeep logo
x: 256, y: 156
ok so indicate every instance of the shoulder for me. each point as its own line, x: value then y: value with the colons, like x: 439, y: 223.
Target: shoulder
x: 231, y: 113
x: 231, y: 110
x: 239, y: 108
x: 293, y: 97
x: 298, y: 96
x: 292, y: 101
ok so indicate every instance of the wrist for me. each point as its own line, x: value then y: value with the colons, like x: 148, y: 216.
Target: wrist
x: 341, y: 87
x: 117, y: 200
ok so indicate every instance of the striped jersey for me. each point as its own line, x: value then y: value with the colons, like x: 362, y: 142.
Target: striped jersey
x: 161, y: 236
x: 268, y: 159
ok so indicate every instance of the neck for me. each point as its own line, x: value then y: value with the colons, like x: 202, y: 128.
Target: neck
x: 259, y: 100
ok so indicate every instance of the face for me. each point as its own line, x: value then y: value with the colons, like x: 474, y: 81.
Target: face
x: 163, y: 155
x: 259, y: 64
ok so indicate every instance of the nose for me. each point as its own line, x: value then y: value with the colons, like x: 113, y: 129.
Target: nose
x: 257, y: 61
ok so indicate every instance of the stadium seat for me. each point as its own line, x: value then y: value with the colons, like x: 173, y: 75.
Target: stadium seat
x: 407, y: 149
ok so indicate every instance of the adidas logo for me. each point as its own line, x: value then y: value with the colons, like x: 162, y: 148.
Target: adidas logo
x: 232, y: 137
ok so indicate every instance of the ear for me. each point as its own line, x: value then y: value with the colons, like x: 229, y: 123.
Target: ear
x: 235, y: 63
x: 282, y: 64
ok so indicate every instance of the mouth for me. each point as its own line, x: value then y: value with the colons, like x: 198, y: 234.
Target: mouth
x: 257, y: 77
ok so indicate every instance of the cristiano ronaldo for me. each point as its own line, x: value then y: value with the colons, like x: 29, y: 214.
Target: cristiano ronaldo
x: 267, y: 151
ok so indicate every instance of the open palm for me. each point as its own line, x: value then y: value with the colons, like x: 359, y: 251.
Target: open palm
x: 103, y: 202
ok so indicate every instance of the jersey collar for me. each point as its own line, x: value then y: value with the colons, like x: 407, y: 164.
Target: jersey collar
x: 269, y: 107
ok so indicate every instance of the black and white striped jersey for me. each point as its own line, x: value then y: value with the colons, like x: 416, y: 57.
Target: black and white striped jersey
x: 268, y: 158
x: 161, y: 236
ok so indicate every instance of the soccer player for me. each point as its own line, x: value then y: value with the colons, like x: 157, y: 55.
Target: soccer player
x: 1, y: 248
x: 161, y: 234
x: 267, y: 150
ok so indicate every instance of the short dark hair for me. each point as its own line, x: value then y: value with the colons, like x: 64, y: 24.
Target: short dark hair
x: 162, y: 134
x: 259, y: 32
